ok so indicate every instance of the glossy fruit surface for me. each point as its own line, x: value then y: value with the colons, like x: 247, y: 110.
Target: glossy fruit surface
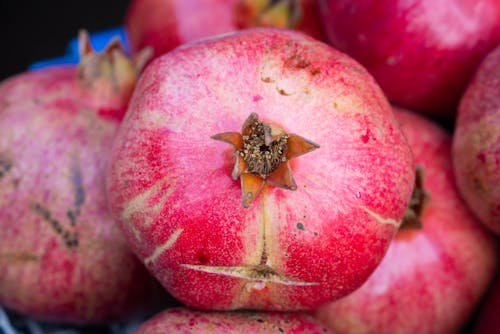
x: 314, y: 227
x: 422, y: 53
x: 476, y: 143
x: 432, y: 278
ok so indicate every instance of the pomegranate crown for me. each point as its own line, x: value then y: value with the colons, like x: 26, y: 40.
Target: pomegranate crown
x: 262, y: 153
x: 109, y: 76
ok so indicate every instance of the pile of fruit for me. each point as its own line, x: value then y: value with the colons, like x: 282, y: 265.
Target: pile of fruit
x: 261, y: 166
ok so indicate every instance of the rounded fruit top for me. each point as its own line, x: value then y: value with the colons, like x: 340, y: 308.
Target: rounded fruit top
x: 173, y: 188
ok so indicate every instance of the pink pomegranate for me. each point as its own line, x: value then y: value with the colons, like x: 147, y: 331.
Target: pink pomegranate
x: 186, y: 321
x: 422, y: 53
x: 432, y: 277
x: 295, y: 207
x: 166, y: 24
x: 61, y: 256
x: 476, y: 143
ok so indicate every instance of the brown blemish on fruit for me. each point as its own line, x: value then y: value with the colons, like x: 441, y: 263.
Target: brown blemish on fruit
x: 478, y: 185
x: 70, y: 238
x: 282, y: 91
x: 267, y: 80
x: 5, y: 165
x: 315, y: 71
x: 297, y: 62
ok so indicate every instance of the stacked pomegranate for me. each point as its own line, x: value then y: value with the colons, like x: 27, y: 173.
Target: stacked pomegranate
x: 262, y: 170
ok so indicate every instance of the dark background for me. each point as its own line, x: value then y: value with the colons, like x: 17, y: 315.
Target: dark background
x: 37, y: 30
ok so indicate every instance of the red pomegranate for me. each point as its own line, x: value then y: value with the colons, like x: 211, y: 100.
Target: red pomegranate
x: 432, y: 277
x: 422, y: 53
x: 166, y: 24
x: 476, y: 143
x: 253, y: 223
x: 186, y: 321
x: 61, y: 255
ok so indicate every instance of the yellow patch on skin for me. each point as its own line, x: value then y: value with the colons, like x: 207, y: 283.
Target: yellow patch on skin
x: 260, y: 273
x: 347, y: 104
x: 138, y: 204
x: 162, y: 248
x: 154, y: 119
x: 381, y: 220
x: 19, y: 257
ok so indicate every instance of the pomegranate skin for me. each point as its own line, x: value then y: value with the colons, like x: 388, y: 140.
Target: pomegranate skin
x: 186, y: 321
x: 62, y: 258
x: 422, y: 53
x: 476, y: 143
x: 432, y: 278
x: 487, y: 319
x: 166, y: 24
x: 170, y: 187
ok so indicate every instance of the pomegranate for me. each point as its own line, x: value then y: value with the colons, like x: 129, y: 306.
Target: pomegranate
x: 166, y: 24
x: 61, y: 256
x: 422, y: 53
x: 476, y: 143
x: 298, y: 203
x: 186, y: 321
x: 432, y: 276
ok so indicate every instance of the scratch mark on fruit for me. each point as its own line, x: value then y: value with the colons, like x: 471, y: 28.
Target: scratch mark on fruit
x: 381, y: 220
x: 139, y: 204
x: 70, y: 238
x: 258, y: 273
x: 79, y: 194
x: 16, y: 257
x: 5, y: 165
x: 162, y: 248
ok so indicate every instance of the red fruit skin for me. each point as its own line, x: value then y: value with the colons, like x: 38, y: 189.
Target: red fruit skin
x: 166, y: 24
x: 487, y: 320
x: 432, y: 278
x: 53, y: 151
x: 422, y: 53
x: 186, y: 321
x: 170, y: 187
x: 476, y: 143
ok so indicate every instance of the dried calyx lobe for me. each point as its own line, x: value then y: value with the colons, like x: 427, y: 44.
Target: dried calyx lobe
x: 419, y: 199
x: 262, y: 152
x: 284, y: 14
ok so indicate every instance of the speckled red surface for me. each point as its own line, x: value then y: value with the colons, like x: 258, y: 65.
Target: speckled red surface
x: 170, y: 184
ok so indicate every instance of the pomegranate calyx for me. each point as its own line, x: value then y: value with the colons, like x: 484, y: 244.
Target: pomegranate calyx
x: 419, y: 198
x: 284, y: 14
x: 262, y: 152
x: 109, y: 77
